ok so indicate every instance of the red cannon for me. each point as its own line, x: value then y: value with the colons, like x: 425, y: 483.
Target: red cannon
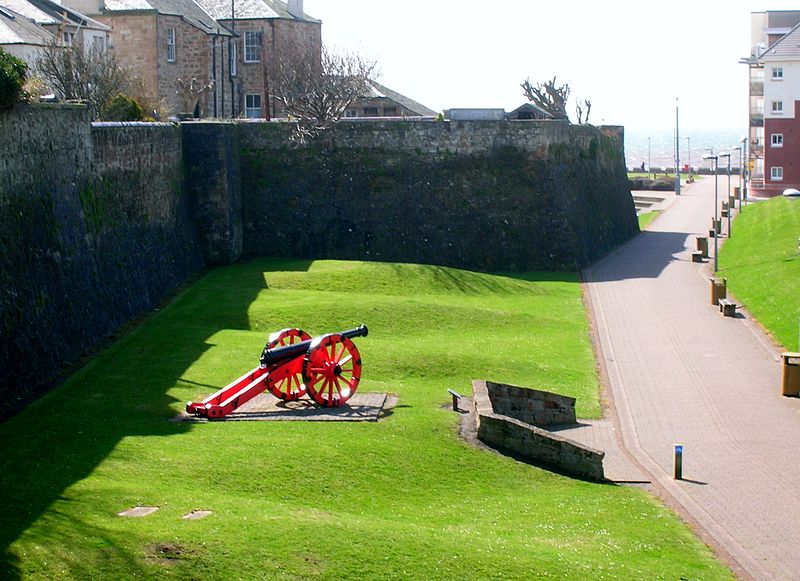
x: 327, y: 368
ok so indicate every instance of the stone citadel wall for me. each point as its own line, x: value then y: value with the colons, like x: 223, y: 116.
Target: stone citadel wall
x: 100, y: 222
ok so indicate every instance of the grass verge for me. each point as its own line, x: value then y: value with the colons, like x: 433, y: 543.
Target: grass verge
x: 762, y: 264
x: 401, y: 498
x: 646, y: 218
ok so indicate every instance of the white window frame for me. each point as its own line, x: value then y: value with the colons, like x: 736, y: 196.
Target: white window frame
x: 777, y: 107
x: 777, y: 73
x: 776, y: 173
x: 172, y: 52
x: 776, y: 140
x: 68, y: 38
x: 250, y: 110
x: 252, y: 46
x: 234, y: 59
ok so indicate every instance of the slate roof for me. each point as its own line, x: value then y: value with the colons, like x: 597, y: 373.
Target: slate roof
x: 189, y: 10
x: 45, y: 12
x: 15, y: 28
x: 417, y: 108
x: 250, y: 10
x: 786, y: 47
x: 126, y: 5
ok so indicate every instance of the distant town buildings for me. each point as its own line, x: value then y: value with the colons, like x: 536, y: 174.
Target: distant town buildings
x: 774, y: 101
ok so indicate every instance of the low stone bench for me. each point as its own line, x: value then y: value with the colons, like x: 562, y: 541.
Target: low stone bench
x: 727, y: 308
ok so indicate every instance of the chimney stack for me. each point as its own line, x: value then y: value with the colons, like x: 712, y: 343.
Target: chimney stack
x: 296, y: 8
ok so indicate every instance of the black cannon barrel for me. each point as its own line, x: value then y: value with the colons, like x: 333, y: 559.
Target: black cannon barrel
x: 281, y: 354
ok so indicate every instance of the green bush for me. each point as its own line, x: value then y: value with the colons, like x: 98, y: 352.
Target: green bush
x: 122, y: 108
x: 12, y: 77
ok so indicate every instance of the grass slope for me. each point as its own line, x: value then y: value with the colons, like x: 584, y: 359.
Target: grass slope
x: 762, y: 264
x: 646, y: 218
x: 403, y: 498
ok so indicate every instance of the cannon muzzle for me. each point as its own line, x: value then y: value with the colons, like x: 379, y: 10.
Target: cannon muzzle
x: 281, y: 354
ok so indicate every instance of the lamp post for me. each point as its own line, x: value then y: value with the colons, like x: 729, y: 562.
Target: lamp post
x: 689, y: 153
x: 677, y: 153
x: 745, y: 170
x: 714, y: 162
x: 649, y: 167
x: 739, y: 149
x: 728, y: 155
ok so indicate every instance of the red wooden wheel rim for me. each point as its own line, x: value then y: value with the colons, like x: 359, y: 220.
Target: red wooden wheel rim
x: 289, y: 387
x: 331, y: 370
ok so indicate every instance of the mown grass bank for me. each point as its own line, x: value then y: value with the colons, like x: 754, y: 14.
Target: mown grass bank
x: 402, y: 498
x: 762, y: 264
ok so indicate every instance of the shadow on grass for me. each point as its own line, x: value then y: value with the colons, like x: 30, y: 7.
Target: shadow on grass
x: 123, y: 392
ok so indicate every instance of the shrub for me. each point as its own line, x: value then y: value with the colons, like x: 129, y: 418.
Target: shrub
x: 12, y: 77
x: 122, y: 108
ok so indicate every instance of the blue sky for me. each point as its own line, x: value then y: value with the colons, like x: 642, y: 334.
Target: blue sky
x: 631, y: 59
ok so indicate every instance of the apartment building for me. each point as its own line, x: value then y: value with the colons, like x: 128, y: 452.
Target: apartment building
x: 774, y: 92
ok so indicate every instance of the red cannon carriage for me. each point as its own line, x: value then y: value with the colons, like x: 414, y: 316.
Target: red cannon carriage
x: 327, y: 368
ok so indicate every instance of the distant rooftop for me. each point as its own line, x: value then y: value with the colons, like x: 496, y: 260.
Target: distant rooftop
x: 787, y: 47
x: 250, y: 10
x: 15, y: 28
x: 380, y: 91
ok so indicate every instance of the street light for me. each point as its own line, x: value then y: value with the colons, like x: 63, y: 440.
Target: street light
x: 714, y: 162
x: 689, y: 152
x: 745, y: 170
x: 728, y: 155
x: 741, y: 161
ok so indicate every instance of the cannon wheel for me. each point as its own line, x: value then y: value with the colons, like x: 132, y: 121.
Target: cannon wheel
x: 290, y: 387
x: 331, y: 370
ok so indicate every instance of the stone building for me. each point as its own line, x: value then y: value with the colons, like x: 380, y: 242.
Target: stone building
x: 162, y: 41
x: 218, y: 42
x: 263, y: 28
x: 384, y: 102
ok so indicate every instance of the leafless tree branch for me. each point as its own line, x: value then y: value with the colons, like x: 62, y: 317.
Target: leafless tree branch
x: 548, y: 96
x: 73, y: 72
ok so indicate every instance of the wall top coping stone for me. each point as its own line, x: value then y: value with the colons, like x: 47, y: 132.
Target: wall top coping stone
x: 132, y: 124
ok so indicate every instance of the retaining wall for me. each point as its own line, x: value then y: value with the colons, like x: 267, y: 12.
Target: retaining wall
x: 519, y: 435
x: 489, y: 196
x: 95, y: 228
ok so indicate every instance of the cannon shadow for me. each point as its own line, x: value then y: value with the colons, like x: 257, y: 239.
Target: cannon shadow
x: 122, y: 392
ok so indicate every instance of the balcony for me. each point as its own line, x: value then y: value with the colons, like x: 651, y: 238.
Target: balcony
x: 756, y: 120
x: 756, y: 88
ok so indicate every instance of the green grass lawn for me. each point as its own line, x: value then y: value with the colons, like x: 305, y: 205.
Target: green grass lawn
x: 762, y: 265
x: 646, y: 218
x: 402, y: 498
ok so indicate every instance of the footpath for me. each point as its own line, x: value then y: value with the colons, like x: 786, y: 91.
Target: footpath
x: 678, y: 372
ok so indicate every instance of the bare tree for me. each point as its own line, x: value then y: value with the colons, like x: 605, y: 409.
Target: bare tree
x: 315, y: 84
x: 548, y: 96
x: 582, y: 111
x: 73, y: 72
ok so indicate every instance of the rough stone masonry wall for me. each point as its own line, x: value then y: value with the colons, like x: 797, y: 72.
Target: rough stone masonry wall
x: 95, y: 228
x: 491, y: 196
x: 516, y: 433
x: 532, y: 406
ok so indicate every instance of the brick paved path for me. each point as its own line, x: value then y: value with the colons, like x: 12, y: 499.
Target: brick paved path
x: 679, y: 372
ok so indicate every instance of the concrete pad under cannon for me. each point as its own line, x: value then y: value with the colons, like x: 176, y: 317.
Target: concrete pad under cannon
x: 362, y: 407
